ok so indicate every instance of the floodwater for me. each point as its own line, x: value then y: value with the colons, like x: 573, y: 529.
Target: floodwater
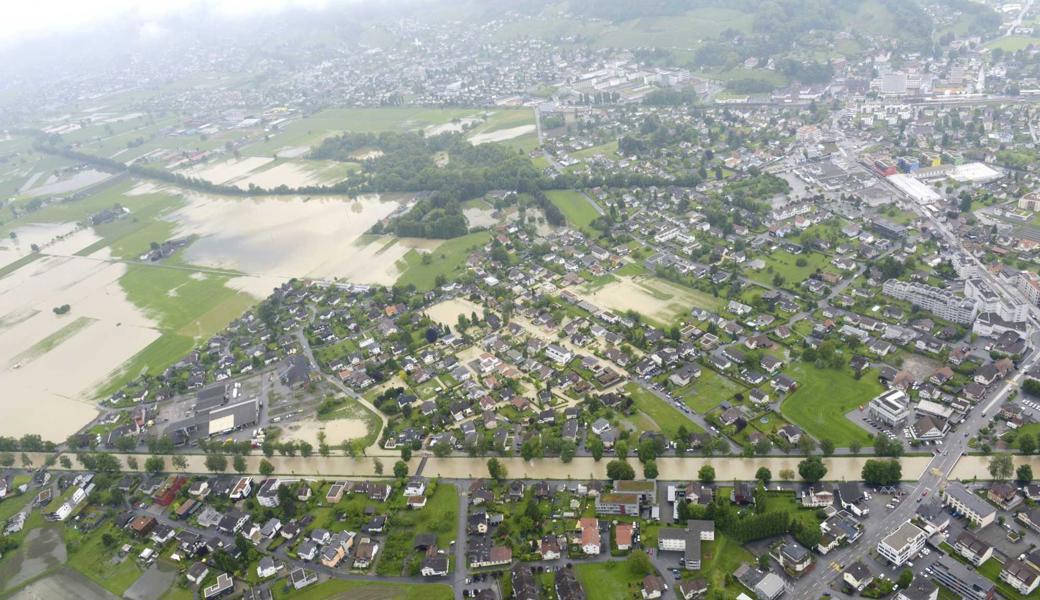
x: 153, y: 583
x: 228, y: 171
x: 78, y: 181
x: 581, y: 468
x: 292, y: 174
x: 452, y: 127
x: 480, y: 217
x: 65, y: 584
x: 501, y: 135
x: 57, y: 374
x: 628, y: 294
x: 281, y: 238
x: 448, y: 311
x: 43, y: 549
x: 336, y: 431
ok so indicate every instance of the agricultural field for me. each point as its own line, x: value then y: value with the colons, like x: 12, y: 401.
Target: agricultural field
x: 667, y: 418
x: 661, y: 302
x: 823, y: 398
x: 575, y: 206
x: 447, y: 259
x: 709, y: 390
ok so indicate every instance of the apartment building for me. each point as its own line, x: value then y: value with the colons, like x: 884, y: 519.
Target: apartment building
x: 942, y: 303
x: 974, y: 508
x: 902, y: 544
x: 891, y: 408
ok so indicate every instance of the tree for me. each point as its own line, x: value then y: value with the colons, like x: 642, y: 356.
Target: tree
x: 620, y: 470
x: 812, y: 469
x: 706, y: 474
x: 400, y: 469
x: 1026, y: 443
x: 6, y: 459
x: 65, y: 461
x: 786, y: 474
x: 441, y: 449
x: 1001, y: 466
x: 154, y: 465
x: 131, y: 463
x: 216, y: 462
x: 406, y: 453
x: 806, y: 444
x: 650, y: 469
x: 855, y: 446
x: 377, y: 465
x: 595, y: 446
x: 266, y: 468
x: 238, y: 463
x: 639, y: 564
x: 905, y: 579
x: 1024, y: 474
x: 621, y: 450
x: 881, y: 472
x: 532, y: 448
x: 886, y: 446
x: 306, y: 450
x: 180, y: 462
x: 827, y: 447
x: 764, y: 475
x: 496, y: 469
x: 567, y: 451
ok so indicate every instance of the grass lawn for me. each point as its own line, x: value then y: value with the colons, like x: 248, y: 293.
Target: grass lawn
x: 176, y: 592
x: 786, y: 265
x: 446, y: 260
x: 667, y: 417
x: 719, y: 559
x: 786, y: 502
x: 709, y: 390
x: 609, y: 150
x: 89, y: 556
x: 1014, y: 43
x: 340, y: 589
x: 824, y: 396
x: 608, y: 581
x: 163, y: 352
x: 438, y: 516
x: 575, y: 206
x: 991, y: 570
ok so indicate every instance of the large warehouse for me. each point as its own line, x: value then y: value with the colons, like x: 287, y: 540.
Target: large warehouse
x: 917, y: 191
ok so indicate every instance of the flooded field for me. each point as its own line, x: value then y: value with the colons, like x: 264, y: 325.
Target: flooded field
x: 501, y: 135
x: 49, y: 363
x: 43, y: 549
x: 293, y: 174
x: 66, y: 584
x: 448, y: 311
x: 228, y: 171
x: 654, y: 298
x: 336, y: 431
x: 55, y: 185
x: 480, y: 217
x: 280, y: 238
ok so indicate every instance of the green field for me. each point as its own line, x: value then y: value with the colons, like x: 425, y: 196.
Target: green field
x: 719, y: 559
x: 668, y: 419
x: 575, y: 206
x: 1014, y: 43
x: 785, y: 264
x: 310, y: 130
x: 340, y: 589
x: 611, y: 580
x: 438, y: 516
x: 88, y: 555
x: 448, y: 260
x: 824, y: 396
x: 709, y: 390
